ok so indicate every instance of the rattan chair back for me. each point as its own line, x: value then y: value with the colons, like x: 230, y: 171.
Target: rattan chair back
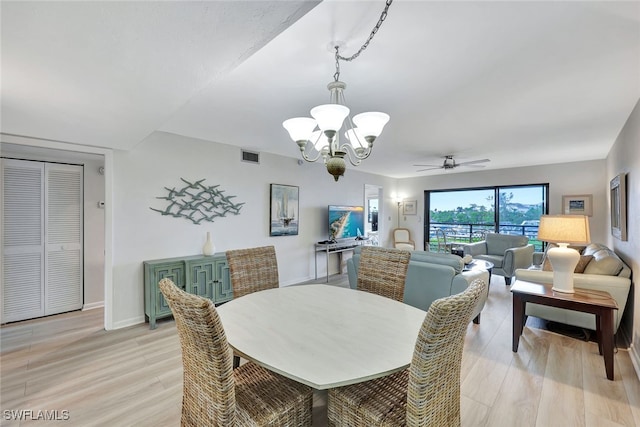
x: 252, y: 270
x: 208, y: 389
x: 433, y: 392
x: 216, y: 395
x: 426, y: 394
x: 383, y: 271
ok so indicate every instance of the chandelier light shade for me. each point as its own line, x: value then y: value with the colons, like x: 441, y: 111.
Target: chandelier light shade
x: 319, y: 137
x: 321, y: 134
x: 564, y: 230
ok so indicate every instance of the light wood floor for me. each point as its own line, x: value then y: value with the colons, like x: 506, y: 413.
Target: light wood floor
x: 133, y: 376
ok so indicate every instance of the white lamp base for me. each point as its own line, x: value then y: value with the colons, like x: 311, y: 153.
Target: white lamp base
x: 564, y: 261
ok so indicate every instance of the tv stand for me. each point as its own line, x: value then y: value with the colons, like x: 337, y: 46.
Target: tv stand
x: 336, y: 247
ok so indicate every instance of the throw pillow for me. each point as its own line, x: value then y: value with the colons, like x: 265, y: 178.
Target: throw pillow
x: 582, y: 264
x: 604, y: 262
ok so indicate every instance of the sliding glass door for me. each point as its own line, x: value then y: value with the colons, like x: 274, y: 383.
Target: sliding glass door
x: 465, y: 215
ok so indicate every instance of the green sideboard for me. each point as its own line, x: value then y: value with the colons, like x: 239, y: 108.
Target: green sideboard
x: 207, y: 276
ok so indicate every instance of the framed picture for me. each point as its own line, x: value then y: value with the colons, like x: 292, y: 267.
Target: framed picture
x: 577, y: 205
x: 284, y: 210
x: 410, y: 207
x: 618, y: 193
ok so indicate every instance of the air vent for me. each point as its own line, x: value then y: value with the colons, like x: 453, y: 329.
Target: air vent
x: 250, y: 156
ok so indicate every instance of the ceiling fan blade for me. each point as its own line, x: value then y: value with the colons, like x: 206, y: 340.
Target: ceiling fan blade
x: 472, y: 162
x: 429, y: 169
x: 430, y: 166
x: 471, y: 166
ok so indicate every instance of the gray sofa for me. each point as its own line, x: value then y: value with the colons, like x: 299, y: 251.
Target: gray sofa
x: 430, y: 276
x: 604, y: 272
x: 507, y: 252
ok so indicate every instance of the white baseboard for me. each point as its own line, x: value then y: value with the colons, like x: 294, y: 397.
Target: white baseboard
x: 92, y: 305
x: 128, y: 322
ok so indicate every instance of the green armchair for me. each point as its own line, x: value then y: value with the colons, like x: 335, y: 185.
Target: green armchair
x: 507, y: 252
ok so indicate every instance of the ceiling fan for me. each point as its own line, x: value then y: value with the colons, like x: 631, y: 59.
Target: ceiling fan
x: 450, y: 163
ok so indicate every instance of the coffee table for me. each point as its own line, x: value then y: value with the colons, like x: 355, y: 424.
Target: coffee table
x: 480, y: 264
x: 598, y: 303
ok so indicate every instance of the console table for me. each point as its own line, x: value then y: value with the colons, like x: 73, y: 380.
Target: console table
x: 206, y: 276
x: 598, y: 303
x: 336, y: 248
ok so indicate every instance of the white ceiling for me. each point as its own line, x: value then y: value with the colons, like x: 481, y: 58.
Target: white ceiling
x: 520, y: 83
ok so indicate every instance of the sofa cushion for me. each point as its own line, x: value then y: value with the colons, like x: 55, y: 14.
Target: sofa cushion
x: 453, y: 261
x: 580, y: 267
x: 604, y: 262
x: 497, y: 244
x: 592, y: 248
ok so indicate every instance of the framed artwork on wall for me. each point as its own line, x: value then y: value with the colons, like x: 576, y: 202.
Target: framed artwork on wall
x: 410, y: 207
x: 577, y: 205
x: 618, y: 193
x: 284, y: 210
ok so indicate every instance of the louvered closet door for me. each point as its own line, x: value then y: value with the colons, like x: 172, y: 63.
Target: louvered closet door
x: 42, y: 239
x: 22, y: 240
x: 63, y: 238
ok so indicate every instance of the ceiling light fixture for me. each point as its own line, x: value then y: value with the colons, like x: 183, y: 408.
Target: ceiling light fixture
x: 322, y: 133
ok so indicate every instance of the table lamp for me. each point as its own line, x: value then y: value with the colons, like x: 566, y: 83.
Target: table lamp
x: 564, y: 230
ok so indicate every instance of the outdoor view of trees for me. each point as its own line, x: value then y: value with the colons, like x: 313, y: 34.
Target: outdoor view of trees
x: 463, y: 215
x: 511, y: 212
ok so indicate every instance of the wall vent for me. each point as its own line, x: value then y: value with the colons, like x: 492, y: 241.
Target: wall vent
x: 250, y: 156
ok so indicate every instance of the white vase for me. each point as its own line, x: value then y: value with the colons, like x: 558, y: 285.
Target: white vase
x: 208, y: 249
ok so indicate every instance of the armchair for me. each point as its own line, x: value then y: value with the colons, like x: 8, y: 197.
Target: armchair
x: 402, y: 239
x: 507, y: 253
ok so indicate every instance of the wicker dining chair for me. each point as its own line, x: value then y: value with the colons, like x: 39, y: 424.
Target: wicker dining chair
x: 252, y: 270
x: 383, y: 271
x: 215, y: 394
x: 426, y: 394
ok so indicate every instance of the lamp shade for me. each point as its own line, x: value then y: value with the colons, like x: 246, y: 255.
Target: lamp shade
x: 299, y: 128
x: 572, y: 229
x: 356, y: 138
x: 318, y: 141
x: 371, y: 124
x: 330, y: 116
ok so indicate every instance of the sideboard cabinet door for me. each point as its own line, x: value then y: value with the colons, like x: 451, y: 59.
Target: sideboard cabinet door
x: 223, y: 288
x: 154, y: 303
x: 201, y: 277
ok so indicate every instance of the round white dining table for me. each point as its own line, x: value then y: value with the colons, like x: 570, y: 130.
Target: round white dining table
x: 322, y: 335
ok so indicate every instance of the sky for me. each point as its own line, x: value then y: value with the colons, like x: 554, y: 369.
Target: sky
x: 449, y: 200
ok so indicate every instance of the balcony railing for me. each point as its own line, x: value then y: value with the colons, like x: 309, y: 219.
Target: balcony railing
x: 457, y: 233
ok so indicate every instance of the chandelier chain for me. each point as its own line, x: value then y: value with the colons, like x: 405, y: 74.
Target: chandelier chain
x: 339, y: 57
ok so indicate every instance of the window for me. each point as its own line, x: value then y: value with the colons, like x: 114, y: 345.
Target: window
x: 465, y: 215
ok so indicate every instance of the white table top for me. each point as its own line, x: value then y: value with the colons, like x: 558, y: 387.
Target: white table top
x: 322, y: 335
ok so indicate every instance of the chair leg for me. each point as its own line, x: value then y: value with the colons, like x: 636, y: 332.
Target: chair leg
x: 236, y: 361
x: 507, y: 281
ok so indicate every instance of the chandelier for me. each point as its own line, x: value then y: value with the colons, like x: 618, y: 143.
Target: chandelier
x: 319, y: 137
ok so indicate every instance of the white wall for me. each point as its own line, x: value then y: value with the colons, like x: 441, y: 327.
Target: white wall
x: 624, y: 157
x: 139, y: 233
x: 564, y: 179
x: 94, y: 191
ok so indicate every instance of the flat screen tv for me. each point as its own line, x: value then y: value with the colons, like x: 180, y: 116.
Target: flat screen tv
x: 345, y: 221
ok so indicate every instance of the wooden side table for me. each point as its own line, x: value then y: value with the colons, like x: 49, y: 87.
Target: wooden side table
x: 598, y: 303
